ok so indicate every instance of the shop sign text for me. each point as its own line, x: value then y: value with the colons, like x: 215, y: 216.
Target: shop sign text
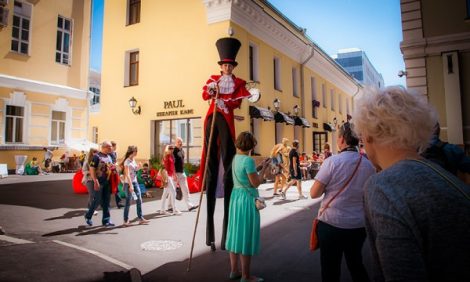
x: 173, y: 108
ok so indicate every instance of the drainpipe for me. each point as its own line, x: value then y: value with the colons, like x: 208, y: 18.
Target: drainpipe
x: 302, y: 89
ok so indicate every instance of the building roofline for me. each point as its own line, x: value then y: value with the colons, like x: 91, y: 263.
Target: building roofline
x: 19, y: 83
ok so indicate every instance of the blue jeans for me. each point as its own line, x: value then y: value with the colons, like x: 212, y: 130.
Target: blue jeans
x: 128, y: 200
x: 101, y: 197
x: 91, y: 192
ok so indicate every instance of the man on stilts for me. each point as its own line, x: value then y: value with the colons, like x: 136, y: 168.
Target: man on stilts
x: 231, y: 91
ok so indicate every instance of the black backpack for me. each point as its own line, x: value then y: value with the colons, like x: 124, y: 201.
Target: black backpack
x: 436, y: 154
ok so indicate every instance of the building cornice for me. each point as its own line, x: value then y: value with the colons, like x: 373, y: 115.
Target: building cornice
x: 434, y: 46
x: 252, y: 17
x: 23, y: 84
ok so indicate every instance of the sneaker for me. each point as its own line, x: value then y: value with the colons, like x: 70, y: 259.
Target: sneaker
x: 301, y: 197
x: 276, y: 194
x: 170, y: 210
x: 89, y: 222
x: 126, y: 223
x: 283, y: 195
x: 193, y: 207
x: 109, y: 224
x: 95, y: 213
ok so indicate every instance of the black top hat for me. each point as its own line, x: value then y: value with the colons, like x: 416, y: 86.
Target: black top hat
x: 228, y: 48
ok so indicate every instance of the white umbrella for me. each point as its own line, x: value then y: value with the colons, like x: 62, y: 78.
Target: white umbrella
x: 82, y: 145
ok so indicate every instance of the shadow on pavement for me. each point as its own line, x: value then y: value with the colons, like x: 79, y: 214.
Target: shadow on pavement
x: 284, y: 256
x: 84, y: 230
x: 68, y: 215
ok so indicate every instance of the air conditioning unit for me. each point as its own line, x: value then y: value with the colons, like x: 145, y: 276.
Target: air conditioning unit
x: 3, y: 2
x: 3, y: 17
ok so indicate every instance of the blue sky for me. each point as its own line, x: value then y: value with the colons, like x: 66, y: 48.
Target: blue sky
x: 371, y: 25
x: 96, y: 34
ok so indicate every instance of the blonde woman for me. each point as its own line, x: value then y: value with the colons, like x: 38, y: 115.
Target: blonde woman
x: 277, y: 166
x: 417, y: 213
x: 169, y: 190
x: 131, y: 186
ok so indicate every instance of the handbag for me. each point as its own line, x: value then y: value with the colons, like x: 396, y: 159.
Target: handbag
x: 179, y: 193
x: 314, y: 244
x: 260, y: 202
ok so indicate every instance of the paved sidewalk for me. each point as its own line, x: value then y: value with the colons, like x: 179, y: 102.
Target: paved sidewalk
x: 48, y: 212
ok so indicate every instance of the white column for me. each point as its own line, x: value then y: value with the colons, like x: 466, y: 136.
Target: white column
x: 450, y: 63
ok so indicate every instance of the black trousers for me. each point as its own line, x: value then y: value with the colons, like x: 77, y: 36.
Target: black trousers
x: 224, y: 150
x: 334, y: 242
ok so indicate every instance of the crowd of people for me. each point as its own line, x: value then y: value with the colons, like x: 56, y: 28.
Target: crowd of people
x: 412, y: 210
x: 103, y: 174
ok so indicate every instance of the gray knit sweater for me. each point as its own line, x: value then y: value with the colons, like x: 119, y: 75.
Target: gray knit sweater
x: 418, y: 224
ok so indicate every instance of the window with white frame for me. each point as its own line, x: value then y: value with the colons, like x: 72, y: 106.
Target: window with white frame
x: 323, y: 93
x: 313, y: 85
x: 131, y: 76
x: 184, y: 130
x: 332, y: 98
x: 96, y: 97
x: 21, y: 28
x: 58, y: 128
x: 14, y: 120
x: 277, y: 73
x: 64, y: 41
x: 253, y: 57
x: 133, y: 12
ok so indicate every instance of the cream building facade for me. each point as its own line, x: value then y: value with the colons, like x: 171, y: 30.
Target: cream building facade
x: 436, y: 50
x: 157, y: 55
x: 44, y: 47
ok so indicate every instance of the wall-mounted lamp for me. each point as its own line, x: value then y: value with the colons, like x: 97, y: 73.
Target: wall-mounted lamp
x: 133, y: 104
x: 402, y: 73
x: 296, y: 110
x: 230, y: 31
x: 335, y: 121
x: 277, y: 104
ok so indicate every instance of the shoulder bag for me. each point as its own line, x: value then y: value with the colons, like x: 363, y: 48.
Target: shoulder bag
x: 260, y: 202
x: 313, y: 235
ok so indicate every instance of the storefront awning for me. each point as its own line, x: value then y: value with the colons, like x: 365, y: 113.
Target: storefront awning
x: 283, y: 117
x: 300, y: 121
x: 257, y: 112
x: 328, y: 127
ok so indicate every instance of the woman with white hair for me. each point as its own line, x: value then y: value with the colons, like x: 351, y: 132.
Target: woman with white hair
x: 417, y: 214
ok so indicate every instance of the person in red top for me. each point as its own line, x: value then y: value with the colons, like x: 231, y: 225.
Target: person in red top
x: 170, y: 188
x: 231, y: 91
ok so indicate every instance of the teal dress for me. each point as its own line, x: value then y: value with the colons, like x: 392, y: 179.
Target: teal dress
x: 243, y: 233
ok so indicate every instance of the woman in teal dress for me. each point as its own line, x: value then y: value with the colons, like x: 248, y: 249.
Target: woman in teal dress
x: 244, y: 221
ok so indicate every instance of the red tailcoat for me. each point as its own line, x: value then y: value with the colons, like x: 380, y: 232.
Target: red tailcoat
x: 230, y: 102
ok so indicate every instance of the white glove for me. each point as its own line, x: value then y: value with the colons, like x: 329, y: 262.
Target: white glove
x: 211, y: 88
